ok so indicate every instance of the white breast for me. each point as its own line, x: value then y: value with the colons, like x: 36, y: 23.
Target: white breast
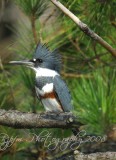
x: 51, y: 105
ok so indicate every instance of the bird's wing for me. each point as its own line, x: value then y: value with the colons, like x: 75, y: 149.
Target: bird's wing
x: 63, y: 94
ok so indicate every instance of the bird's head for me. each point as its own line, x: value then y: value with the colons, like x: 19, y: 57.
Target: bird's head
x: 43, y: 58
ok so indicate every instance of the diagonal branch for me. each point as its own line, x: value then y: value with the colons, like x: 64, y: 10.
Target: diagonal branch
x: 17, y: 119
x: 85, y: 28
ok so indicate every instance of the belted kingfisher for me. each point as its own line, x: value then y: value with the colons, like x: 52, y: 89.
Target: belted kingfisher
x: 50, y: 88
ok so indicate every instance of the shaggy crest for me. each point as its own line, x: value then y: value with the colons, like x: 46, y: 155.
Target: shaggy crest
x: 51, y: 60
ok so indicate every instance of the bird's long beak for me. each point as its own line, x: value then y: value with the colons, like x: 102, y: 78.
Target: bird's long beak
x: 23, y: 62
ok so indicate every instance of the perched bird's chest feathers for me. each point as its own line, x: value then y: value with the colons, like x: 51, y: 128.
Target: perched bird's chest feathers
x: 44, y: 81
x: 45, y: 89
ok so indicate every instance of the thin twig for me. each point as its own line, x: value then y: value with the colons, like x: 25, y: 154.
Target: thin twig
x: 34, y: 29
x: 72, y: 75
x: 85, y: 28
x: 77, y: 47
x: 48, y: 17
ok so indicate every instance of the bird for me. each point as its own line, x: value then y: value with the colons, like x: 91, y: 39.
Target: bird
x: 50, y: 88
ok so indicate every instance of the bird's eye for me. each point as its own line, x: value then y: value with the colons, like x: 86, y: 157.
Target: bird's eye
x: 39, y: 60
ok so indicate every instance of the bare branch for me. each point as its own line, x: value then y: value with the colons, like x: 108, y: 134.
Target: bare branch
x: 93, y: 156
x: 17, y: 119
x: 85, y: 28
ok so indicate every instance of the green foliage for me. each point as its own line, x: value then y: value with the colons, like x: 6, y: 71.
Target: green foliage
x: 93, y: 93
x: 95, y: 100
x: 33, y: 7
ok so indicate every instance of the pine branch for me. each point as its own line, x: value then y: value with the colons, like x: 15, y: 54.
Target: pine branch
x: 17, y: 119
x: 34, y: 29
x: 85, y: 28
x: 72, y: 75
